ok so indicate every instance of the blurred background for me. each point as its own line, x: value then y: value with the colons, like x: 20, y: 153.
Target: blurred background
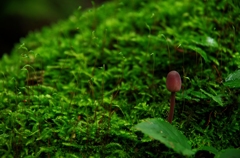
x: 18, y: 17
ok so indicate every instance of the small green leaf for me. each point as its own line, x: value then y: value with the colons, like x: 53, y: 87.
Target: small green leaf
x: 210, y: 149
x: 72, y: 145
x: 163, y: 131
x: 45, y: 134
x: 30, y: 141
x: 229, y: 153
x: 233, y: 80
x: 206, y: 41
x: 216, y: 98
x: 44, y: 150
x: 199, y: 51
x: 71, y: 155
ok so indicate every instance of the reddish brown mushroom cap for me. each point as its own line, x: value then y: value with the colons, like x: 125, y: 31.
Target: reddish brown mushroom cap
x: 174, y: 82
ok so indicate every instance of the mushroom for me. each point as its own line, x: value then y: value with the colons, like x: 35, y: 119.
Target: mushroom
x: 173, y: 85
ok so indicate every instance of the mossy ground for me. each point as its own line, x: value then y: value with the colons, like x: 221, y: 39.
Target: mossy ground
x: 77, y: 88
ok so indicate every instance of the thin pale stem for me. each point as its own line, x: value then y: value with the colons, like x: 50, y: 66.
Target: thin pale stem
x: 172, y: 104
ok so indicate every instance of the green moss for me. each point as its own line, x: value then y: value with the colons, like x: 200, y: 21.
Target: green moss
x: 78, y: 87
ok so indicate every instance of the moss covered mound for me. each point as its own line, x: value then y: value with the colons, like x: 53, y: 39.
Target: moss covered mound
x: 77, y: 88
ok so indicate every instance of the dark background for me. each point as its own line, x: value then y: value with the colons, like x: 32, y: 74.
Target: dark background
x: 18, y: 17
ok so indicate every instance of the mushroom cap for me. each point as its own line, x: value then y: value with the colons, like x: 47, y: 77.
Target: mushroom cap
x: 174, y: 82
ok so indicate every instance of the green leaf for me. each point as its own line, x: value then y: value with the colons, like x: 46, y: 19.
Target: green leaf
x: 163, y: 131
x: 229, y: 153
x: 199, y: 51
x: 210, y: 149
x: 206, y: 41
x: 216, y: 98
x: 71, y: 155
x: 45, y: 150
x: 30, y: 141
x: 72, y: 145
x: 45, y: 134
x: 233, y: 80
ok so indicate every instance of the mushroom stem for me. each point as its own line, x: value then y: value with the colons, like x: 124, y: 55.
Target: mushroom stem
x: 172, y: 104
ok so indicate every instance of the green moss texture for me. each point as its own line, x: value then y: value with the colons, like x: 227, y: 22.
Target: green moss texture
x: 77, y: 88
